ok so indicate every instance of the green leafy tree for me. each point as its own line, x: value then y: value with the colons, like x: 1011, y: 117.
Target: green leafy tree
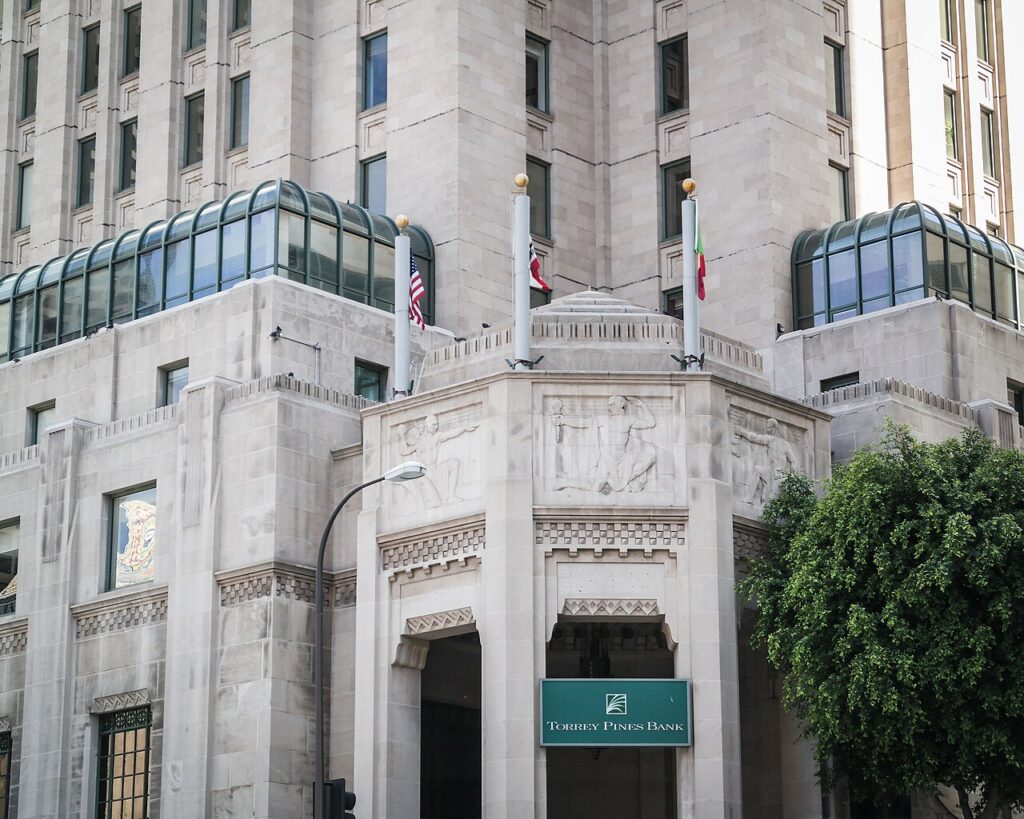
x: 893, y: 605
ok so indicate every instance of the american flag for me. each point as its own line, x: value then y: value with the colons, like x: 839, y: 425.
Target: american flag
x: 416, y: 291
x: 536, y: 282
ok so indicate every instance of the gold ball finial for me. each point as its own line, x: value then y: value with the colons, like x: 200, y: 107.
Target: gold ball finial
x: 522, y: 180
x: 689, y: 186
x: 402, y: 221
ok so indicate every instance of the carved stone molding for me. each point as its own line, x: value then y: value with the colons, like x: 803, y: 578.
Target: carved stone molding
x: 440, y: 621
x: 120, y: 616
x: 269, y: 580
x: 13, y: 642
x: 440, y: 548
x: 119, y: 702
x: 749, y: 542
x: 411, y: 653
x: 345, y: 592
x: 610, y: 607
x: 612, y: 534
x: 5, y: 724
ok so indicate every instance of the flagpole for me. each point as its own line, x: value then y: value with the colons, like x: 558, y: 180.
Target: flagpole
x: 402, y: 356
x: 521, y: 266
x: 691, y: 304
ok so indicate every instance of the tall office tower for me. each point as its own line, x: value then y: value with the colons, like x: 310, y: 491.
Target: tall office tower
x: 198, y: 238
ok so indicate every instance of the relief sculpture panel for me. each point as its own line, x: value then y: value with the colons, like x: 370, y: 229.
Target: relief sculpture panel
x: 763, y: 450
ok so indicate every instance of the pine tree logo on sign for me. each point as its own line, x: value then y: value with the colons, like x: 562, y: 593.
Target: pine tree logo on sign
x: 615, y: 704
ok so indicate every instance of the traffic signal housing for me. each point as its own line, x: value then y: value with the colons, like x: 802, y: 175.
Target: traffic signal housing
x: 338, y: 801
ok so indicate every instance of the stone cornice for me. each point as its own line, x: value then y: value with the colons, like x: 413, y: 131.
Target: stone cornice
x: 14, y: 637
x: 120, y: 611
x: 275, y: 578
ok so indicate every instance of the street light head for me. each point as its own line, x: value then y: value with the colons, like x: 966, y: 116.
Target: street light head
x: 409, y: 471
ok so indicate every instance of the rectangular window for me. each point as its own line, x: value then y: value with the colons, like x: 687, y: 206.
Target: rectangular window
x: 40, y: 418
x: 10, y: 542
x: 839, y: 381
x: 122, y: 764
x: 132, y: 538
x: 240, y: 112
x: 371, y: 380
x: 375, y: 71
x: 132, y: 41
x: 1015, y: 398
x: 129, y: 151
x: 241, y: 14
x: 374, y: 183
x: 673, y: 300
x: 90, y: 59
x: 24, y: 195
x: 196, y: 24
x: 536, y: 73
x: 988, y: 144
x: 30, y: 85
x: 540, y: 197
x: 5, y: 774
x: 672, y: 177
x: 86, y: 171
x: 675, y: 79
x: 31, y: 5
x: 839, y: 193
x: 945, y: 21
x: 173, y: 380
x: 194, y: 116
x: 982, y: 30
x: 834, y: 70
x: 952, y: 147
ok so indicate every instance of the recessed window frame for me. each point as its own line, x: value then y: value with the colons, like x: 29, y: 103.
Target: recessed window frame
x: 836, y: 74
x: 127, y: 723
x: 238, y: 19
x: 539, y: 173
x: 6, y: 759
x: 128, y: 160
x: 39, y: 421
x: 672, y: 303
x: 540, y: 49
x: 23, y: 216
x: 193, y: 151
x: 366, y: 168
x: 113, y: 528
x: 30, y: 6
x: 196, y: 34
x: 951, y: 125
x: 86, y: 182
x: 240, y: 112
x: 672, y: 228
x: 1015, y: 398
x: 946, y: 30
x: 983, y: 30
x: 29, y: 84
x: 373, y: 95
x: 837, y: 382
x: 663, y: 53
x: 131, y: 27
x: 367, y: 373
x: 173, y: 379
x: 9, y: 604
x: 844, y: 178
x: 989, y: 145
x: 90, y: 65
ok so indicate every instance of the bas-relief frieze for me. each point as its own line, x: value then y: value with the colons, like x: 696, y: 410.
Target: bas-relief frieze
x: 763, y: 449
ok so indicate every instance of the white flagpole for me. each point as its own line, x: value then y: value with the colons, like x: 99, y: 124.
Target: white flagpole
x: 402, y: 357
x: 691, y: 304
x: 521, y: 266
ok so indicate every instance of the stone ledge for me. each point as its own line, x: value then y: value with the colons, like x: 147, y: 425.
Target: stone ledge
x: 892, y: 386
x: 432, y: 545
x: 120, y: 613
x: 285, y: 580
x: 286, y: 383
x: 19, y: 458
x: 14, y: 637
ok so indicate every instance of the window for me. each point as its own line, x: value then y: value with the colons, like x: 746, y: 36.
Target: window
x: 834, y: 70
x: 132, y: 41
x: 90, y: 59
x: 241, y: 14
x: 371, y: 380
x: 952, y: 148
x: 374, y: 184
x: 673, y: 300
x: 837, y: 382
x: 1014, y: 397
x: 536, y: 73
x: 672, y: 177
x: 839, y: 193
x: 5, y: 773
x: 30, y: 85
x: 194, y: 115
x: 945, y: 21
x: 982, y: 30
x: 173, y: 380
x: 31, y: 5
x: 40, y: 418
x: 10, y: 541
x: 24, y: 195
x: 129, y: 151
x: 988, y: 144
x: 196, y: 24
x: 132, y: 538
x: 86, y: 171
x: 240, y: 112
x: 540, y: 197
x: 122, y: 764
x: 675, y: 80
x: 539, y: 298
x: 375, y: 71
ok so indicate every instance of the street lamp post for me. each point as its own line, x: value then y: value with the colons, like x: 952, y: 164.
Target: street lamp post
x: 408, y: 471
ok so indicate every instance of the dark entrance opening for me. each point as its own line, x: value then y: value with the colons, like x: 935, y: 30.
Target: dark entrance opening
x: 609, y: 783
x: 450, y: 745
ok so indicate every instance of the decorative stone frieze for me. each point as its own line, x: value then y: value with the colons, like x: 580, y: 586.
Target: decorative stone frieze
x: 286, y: 383
x: 440, y: 548
x: 609, y: 607
x: 14, y: 641
x: 610, y: 533
x: 287, y: 582
x: 411, y: 653
x: 119, y: 702
x: 440, y: 621
x: 244, y: 589
x: 345, y: 592
x: 128, y: 614
x: 19, y: 458
x: 5, y: 724
x: 749, y: 542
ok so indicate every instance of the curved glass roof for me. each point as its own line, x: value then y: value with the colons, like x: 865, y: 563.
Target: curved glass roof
x: 907, y: 253
x: 278, y: 228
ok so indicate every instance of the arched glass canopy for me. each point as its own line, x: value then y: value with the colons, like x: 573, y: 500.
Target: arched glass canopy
x: 278, y: 228
x: 903, y: 254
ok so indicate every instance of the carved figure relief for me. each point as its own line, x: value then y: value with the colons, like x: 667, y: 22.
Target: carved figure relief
x: 603, y: 452
x: 760, y: 458
x: 450, y: 454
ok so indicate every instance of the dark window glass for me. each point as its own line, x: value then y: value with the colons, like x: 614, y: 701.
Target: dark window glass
x: 982, y: 30
x: 375, y: 71
x: 374, y: 185
x: 46, y: 321
x: 124, y: 279
x: 810, y: 279
x: 323, y: 256
x: 24, y: 195
x: 834, y: 69
x: 945, y: 21
x: 536, y: 73
x: 174, y: 381
x: 674, y: 303
x: 91, y: 59
x: 240, y: 112
x: 71, y: 318
x: 196, y: 23
x: 132, y: 540
x: 150, y: 283
x: 672, y: 177
x: 540, y: 197
x: 31, y: 4
x: 132, y: 40
x: 1006, y: 304
x: 22, y: 330
x: 675, y: 81
x: 1015, y: 398
x: 958, y: 272
x: 5, y: 738
x: 952, y: 149
x: 97, y: 295
x: 122, y: 764
x: 370, y: 380
x: 839, y: 193
x: 982, y: 283
x: 839, y: 381
x: 383, y: 276
x: 41, y: 418
x: 86, y: 170
x: 194, y: 116
x: 30, y: 85
x: 356, y: 259
x: 176, y: 284
x: 988, y: 143
x: 242, y: 11
x: 129, y: 151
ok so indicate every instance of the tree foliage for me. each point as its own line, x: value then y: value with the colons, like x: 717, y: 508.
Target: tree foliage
x: 893, y: 605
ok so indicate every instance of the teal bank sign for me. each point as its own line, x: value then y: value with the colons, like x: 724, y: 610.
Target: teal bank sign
x: 601, y: 713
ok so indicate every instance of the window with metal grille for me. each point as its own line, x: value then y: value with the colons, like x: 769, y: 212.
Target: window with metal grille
x: 122, y: 769
x: 5, y: 774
